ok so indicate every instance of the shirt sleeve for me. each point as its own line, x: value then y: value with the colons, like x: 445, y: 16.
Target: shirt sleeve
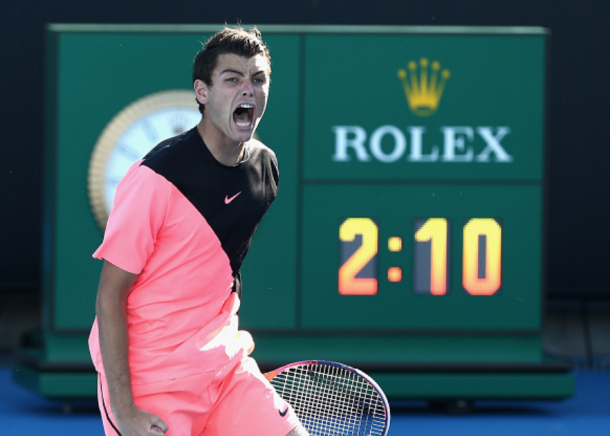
x: 138, y: 212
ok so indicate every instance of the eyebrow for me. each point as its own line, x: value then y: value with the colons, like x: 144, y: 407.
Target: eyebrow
x: 230, y: 70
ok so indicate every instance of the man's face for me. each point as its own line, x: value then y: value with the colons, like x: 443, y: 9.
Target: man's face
x: 236, y: 101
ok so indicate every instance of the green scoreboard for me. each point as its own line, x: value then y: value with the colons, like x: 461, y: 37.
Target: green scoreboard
x: 408, y: 234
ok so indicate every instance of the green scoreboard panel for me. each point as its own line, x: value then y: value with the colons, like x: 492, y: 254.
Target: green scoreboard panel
x: 420, y: 178
x: 456, y: 261
x: 407, y: 236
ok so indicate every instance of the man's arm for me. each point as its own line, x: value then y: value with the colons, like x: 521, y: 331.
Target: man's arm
x: 111, y: 308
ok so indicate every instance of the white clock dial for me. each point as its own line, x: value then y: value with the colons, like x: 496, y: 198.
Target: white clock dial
x: 141, y: 137
x: 129, y: 136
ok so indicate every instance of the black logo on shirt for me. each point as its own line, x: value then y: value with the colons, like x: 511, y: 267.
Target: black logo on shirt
x: 282, y: 414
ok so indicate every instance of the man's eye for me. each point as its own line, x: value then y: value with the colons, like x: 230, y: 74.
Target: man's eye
x: 232, y: 79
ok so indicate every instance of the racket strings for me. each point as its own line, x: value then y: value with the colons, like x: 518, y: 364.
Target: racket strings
x: 332, y: 401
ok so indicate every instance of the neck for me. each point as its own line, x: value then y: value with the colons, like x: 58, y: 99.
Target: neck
x: 225, y: 151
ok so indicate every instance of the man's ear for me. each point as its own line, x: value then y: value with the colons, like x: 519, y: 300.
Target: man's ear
x: 201, y: 91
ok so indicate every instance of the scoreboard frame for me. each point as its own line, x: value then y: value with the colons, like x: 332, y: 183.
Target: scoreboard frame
x: 346, y: 153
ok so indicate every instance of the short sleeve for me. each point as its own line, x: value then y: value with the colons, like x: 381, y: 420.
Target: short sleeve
x: 138, y: 212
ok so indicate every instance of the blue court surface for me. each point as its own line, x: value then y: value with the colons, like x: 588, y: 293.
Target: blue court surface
x: 586, y: 414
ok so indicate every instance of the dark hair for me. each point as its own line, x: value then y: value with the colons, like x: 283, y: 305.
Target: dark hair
x: 246, y: 43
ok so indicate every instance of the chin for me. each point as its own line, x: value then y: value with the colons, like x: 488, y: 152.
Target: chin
x: 244, y: 136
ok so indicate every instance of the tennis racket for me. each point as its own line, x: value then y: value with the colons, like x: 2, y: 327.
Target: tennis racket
x: 333, y: 399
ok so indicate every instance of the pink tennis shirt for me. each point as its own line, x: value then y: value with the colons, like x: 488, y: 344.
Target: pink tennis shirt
x: 183, y: 223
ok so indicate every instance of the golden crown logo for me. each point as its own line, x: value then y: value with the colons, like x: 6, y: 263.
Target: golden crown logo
x: 423, y: 86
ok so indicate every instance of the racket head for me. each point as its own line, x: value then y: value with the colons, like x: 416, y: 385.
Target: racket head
x: 331, y: 398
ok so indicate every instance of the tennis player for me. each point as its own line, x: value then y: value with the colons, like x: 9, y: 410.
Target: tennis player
x: 165, y: 341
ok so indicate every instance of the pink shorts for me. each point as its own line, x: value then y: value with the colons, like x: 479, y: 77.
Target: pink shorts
x: 233, y: 401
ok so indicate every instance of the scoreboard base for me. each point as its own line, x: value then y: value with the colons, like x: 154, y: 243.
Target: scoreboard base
x: 58, y: 367
x: 70, y: 385
x: 57, y: 384
x: 431, y: 367
x: 477, y: 386
x: 425, y: 367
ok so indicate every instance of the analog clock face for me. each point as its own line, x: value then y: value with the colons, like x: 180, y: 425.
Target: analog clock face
x: 129, y: 136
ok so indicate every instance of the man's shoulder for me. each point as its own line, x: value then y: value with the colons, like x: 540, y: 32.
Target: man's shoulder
x: 170, y: 143
x: 261, y: 151
x: 262, y: 156
x: 174, y: 153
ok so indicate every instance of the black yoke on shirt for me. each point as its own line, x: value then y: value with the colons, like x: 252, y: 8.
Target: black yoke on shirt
x: 232, y: 200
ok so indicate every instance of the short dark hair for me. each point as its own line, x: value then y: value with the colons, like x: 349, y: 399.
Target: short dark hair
x: 246, y: 43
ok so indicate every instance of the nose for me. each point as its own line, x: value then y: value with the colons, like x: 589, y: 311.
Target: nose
x: 247, y: 89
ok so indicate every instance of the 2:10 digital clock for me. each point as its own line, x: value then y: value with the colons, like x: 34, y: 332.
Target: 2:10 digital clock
x: 481, y: 256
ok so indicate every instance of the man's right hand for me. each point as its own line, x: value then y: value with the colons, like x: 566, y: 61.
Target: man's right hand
x: 139, y: 422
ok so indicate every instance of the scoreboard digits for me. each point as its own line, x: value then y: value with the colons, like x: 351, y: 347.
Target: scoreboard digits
x: 481, y: 256
x: 349, y: 284
x: 482, y: 259
x: 431, y: 237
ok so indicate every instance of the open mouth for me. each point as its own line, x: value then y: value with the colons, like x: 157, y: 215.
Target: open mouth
x: 244, y: 115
